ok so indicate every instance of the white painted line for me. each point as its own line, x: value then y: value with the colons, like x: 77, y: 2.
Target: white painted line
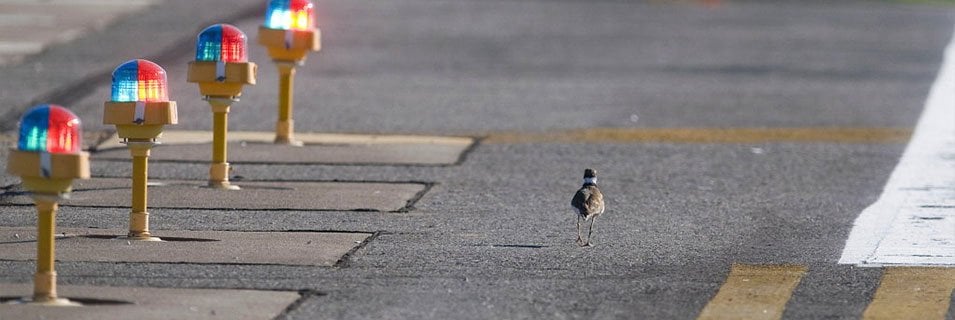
x: 913, y: 222
x: 26, y: 20
x: 20, y: 47
x: 125, y: 3
x: 44, y: 22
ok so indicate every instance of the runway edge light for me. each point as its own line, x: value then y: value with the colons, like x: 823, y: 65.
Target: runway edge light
x: 289, y: 34
x: 47, y: 158
x: 221, y: 69
x: 139, y: 107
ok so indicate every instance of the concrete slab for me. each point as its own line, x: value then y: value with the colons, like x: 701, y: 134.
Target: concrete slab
x: 100, y: 245
x: 192, y: 194
x: 150, y: 303
x: 320, y: 148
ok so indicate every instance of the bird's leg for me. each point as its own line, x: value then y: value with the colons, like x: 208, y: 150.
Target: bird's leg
x: 591, y: 231
x: 579, y: 240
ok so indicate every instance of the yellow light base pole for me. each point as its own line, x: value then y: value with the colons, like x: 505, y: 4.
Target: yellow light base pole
x: 288, y: 49
x: 47, y: 187
x: 285, y: 126
x: 219, y: 169
x: 220, y: 83
x: 138, y: 216
x: 140, y: 132
x: 44, y: 281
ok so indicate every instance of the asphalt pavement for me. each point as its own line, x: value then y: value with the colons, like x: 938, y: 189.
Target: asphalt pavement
x: 491, y: 236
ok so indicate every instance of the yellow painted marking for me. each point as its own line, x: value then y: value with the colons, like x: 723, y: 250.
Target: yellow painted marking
x: 754, y: 292
x: 912, y: 293
x: 710, y: 135
x: 191, y: 137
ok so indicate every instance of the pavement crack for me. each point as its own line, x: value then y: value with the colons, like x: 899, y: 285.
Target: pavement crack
x: 304, y: 295
x: 410, y: 205
x: 463, y: 156
x: 345, y: 260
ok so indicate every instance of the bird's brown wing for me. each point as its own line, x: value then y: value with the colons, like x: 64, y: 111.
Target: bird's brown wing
x: 595, y: 203
x: 589, y: 201
x: 580, y: 200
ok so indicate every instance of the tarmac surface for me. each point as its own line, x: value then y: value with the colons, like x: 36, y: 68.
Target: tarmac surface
x: 691, y: 225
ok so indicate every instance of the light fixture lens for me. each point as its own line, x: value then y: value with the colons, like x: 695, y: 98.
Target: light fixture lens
x: 49, y: 128
x: 221, y: 42
x: 139, y: 80
x: 290, y: 15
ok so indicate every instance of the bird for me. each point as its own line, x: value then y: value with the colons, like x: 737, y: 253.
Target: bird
x: 589, y: 204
